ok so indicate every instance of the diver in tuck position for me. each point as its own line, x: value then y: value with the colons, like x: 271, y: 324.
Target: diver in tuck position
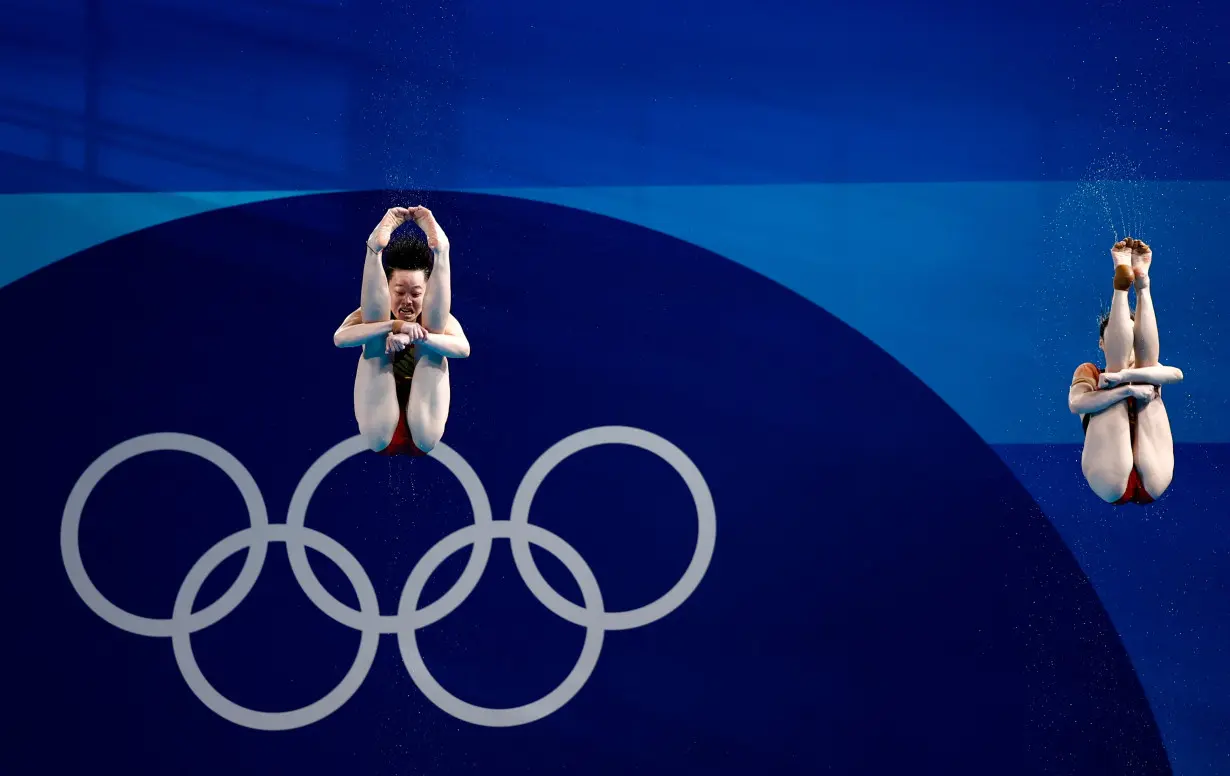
x: 407, y: 333
x: 1128, y: 455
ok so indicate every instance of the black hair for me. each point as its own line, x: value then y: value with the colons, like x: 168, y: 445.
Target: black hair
x: 1104, y: 319
x: 407, y: 253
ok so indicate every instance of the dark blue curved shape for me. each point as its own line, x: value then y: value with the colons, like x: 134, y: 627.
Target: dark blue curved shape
x: 885, y: 598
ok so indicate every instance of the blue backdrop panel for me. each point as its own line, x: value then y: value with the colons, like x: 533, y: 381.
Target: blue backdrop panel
x: 185, y: 95
x: 884, y: 596
x: 1162, y: 573
x: 806, y: 142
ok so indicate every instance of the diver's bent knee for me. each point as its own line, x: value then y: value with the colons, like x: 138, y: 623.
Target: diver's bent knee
x: 1108, y: 490
x: 1155, y: 483
x: 378, y: 437
x: 1109, y: 494
x: 378, y: 442
x: 1108, y: 482
x: 425, y: 437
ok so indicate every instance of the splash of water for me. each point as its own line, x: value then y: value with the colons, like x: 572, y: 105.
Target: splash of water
x: 1112, y: 200
x: 1114, y: 192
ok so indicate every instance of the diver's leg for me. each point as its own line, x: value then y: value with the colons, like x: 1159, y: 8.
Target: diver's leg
x: 375, y: 392
x: 374, y: 302
x: 430, y: 391
x: 1154, y: 452
x: 438, y: 296
x: 1117, y: 339
x: 1106, y: 459
x: 430, y: 397
x: 1145, y: 337
x: 375, y: 397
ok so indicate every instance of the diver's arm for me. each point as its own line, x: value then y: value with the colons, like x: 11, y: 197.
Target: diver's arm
x: 353, y: 332
x: 1084, y: 400
x: 450, y: 343
x: 1149, y: 375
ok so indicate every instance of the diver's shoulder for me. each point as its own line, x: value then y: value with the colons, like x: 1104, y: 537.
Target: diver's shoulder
x: 1087, y: 371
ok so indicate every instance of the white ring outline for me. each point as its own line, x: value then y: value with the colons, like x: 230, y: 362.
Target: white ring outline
x: 296, y: 517
x: 368, y: 620
x: 706, y: 532
x: 407, y: 642
x: 70, y: 533
x: 181, y: 641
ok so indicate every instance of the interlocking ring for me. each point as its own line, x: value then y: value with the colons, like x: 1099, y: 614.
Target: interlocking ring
x: 367, y: 619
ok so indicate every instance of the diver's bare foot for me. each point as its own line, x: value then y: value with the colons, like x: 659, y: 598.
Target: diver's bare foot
x: 437, y: 240
x: 1121, y: 252
x: 1142, y: 259
x: 393, y: 218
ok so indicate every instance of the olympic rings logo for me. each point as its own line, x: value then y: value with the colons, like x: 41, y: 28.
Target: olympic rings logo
x: 409, y: 618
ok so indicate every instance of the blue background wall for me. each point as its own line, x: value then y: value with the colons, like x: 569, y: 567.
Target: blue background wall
x: 837, y: 255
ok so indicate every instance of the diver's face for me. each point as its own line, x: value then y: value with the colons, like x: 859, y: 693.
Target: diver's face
x: 406, y: 288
